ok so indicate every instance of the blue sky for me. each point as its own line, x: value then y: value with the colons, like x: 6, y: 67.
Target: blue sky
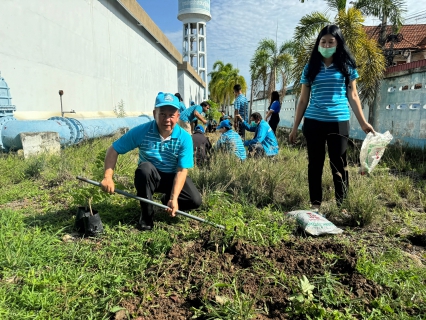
x: 237, y: 26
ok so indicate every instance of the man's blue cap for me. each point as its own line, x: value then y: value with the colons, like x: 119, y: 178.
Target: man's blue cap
x: 224, y: 124
x: 192, y: 103
x: 199, y: 128
x: 166, y: 99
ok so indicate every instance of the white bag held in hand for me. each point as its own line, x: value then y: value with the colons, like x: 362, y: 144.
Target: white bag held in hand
x: 313, y: 223
x: 372, y: 150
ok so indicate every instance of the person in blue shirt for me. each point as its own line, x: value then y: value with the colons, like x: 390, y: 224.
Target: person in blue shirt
x: 165, y: 155
x: 191, y: 114
x: 182, y: 106
x: 230, y: 141
x: 328, y: 85
x: 274, y: 111
x: 264, y: 142
x: 241, y: 109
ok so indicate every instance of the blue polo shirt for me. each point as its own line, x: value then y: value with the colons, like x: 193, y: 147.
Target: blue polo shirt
x: 276, y: 106
x: 328, y: 101
x: 241, y: 104
x: 231, y: 141
x: 188, y: 114
x: 167, y: 155
x: 182, y: 107
x: 264, y: 135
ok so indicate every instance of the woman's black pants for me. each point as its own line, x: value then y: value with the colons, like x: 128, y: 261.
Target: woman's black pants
x: 149, y: 180
x: 335, y: 135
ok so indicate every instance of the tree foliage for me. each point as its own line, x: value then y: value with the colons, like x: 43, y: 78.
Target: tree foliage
x: 223, y: 79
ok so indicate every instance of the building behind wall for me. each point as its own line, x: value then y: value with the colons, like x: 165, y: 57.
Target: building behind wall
x: 99, y: 52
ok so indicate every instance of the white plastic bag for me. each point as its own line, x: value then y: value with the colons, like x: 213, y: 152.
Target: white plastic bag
x: 372, y: 150
x: 313, y: 223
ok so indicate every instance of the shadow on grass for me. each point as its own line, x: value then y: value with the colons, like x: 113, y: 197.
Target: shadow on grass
x: 112, y: 215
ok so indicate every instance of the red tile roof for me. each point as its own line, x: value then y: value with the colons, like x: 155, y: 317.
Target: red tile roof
x: 414, y: 36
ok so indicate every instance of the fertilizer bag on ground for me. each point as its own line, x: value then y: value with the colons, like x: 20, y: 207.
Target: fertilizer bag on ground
x: 372, y: 150
x: 313, y: 223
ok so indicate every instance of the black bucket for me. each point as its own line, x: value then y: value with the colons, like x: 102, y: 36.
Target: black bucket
x: 88, y: 224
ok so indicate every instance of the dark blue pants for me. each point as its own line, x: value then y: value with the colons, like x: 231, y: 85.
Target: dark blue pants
x: 335, y: 135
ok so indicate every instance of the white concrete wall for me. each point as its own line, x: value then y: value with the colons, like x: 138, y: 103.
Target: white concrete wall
x: 91, y: 49
x: 189, y: 88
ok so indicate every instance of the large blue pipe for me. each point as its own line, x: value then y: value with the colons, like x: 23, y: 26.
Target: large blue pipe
x: 71, y: 131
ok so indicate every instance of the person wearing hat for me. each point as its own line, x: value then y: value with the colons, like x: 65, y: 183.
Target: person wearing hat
x: 191, y: 114
x: 182, y: 106
x: 264, y: 142
x: 230, y: 141
x: 165, y: 155
x: 202, y: 146
x: 192, y: 103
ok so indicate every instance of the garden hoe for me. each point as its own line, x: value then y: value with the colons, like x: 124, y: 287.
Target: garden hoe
x: 124, y: 193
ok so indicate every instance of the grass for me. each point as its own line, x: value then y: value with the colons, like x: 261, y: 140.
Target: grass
x: 260, y: 267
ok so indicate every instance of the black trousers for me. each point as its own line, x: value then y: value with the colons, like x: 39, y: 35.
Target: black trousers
x: 241, y: 130
x: 273, y: 122
x: 149, y: 180
x: 335, y: 135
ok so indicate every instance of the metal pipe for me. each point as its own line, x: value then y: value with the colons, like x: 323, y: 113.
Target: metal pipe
x: 71, y: 131
x: 124, y: 193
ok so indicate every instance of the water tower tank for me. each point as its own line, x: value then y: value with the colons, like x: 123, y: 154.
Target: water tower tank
x: 194, y: 15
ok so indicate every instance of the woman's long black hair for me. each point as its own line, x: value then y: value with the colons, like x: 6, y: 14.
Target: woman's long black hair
x: 342, y: 58
x: 275, y: 96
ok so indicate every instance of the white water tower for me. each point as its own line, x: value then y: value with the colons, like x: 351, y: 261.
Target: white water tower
x: 194, y: 15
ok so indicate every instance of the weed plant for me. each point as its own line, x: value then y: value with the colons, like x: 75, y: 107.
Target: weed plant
x: 47, y: 271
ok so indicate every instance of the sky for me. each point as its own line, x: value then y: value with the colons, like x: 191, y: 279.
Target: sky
x: 237, y: 26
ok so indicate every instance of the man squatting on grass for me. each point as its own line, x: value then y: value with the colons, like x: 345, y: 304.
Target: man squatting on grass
x: 230, y: 141
x: 165, y: 155
x: 191, y: 114
x: 264, y: 142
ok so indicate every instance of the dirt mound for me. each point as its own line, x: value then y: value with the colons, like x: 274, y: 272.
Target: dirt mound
x: 193, y: 270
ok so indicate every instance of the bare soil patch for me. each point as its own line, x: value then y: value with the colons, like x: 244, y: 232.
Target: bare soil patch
x: 186, y: 281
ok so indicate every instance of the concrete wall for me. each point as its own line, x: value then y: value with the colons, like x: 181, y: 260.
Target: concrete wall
x: 401, y: 106
x: 189, y: 84
x: 94, y: 50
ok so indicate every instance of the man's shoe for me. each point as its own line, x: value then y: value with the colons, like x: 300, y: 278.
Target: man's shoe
x: 145, y: 224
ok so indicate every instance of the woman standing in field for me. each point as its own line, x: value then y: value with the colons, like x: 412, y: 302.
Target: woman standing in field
x: 328, y: 84
x: 274, y: 111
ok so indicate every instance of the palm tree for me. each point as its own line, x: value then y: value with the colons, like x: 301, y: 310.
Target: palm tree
x: 277, y: 61
x: 258, y: 72
x: 223, y: 79
x: 384, y: 9
x: 369, y: 57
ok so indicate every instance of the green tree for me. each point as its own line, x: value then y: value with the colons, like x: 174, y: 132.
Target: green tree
x: 391, y: 10
x: 258, y: 72
x: 369, y: 57
x: 276, y: 62
x: 223, y: 79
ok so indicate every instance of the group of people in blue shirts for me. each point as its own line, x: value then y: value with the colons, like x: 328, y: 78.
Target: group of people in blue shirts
x: 166, y: 149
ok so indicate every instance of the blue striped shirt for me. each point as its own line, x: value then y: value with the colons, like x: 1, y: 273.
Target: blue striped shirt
x: 328, y: 101
x: 182, y: 107
x: 231, y: 141
x: 241, y: 104
x: 188, y: 114
x: 167, y: 155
